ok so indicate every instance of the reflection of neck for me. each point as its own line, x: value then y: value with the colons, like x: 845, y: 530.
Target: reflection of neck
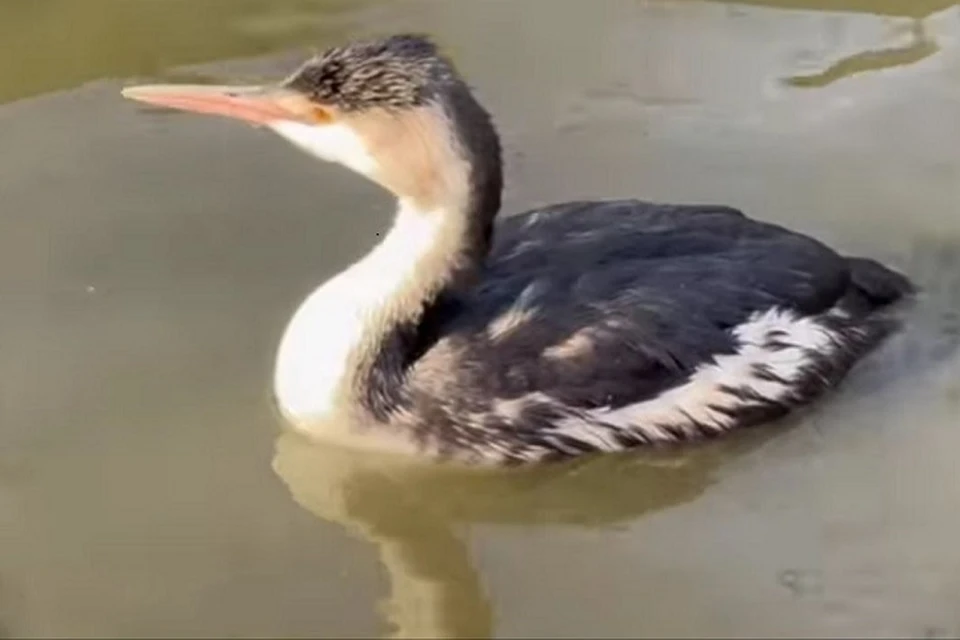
x: 435, y: 592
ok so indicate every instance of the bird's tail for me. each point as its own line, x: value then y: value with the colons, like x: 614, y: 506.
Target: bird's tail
x: 879, y: 285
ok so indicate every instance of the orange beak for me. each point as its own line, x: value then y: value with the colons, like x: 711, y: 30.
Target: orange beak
x: 254, y: 105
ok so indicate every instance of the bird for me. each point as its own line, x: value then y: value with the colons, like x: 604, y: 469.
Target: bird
x: 586, y: 327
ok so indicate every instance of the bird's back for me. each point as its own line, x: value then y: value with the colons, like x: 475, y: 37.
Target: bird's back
x: 594, y: 314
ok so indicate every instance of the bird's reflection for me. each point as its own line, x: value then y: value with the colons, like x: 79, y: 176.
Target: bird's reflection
x: 410, y: 512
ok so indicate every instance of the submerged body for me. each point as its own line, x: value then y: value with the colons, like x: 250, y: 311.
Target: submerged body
x: 580, y: 327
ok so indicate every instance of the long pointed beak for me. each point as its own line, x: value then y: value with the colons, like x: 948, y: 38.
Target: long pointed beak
x: 253, y: 104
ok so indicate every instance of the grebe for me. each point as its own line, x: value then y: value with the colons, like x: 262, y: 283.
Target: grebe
x: 576, y: 328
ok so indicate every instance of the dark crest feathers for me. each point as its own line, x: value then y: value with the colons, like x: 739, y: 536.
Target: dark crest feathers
x: 397, y: 72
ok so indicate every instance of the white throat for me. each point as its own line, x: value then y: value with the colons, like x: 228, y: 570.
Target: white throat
x: 349, y: 313
x: 332, y: 143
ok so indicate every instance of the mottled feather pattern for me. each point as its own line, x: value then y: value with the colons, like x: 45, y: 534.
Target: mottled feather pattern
x: 610, y: 275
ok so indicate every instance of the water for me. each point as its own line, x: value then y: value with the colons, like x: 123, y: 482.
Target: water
x: 150, y: 261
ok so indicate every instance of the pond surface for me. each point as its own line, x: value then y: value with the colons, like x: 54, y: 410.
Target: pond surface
x: 149, y: 262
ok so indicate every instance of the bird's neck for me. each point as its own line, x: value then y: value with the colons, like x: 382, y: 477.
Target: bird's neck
x: 349, y: 345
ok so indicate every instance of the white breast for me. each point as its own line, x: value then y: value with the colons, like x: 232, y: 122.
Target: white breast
x: 315, y: 352
x: 704, y: 399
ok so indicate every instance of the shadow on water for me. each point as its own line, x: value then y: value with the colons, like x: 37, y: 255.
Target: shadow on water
x: 410, y: 513
x: 920, y: 47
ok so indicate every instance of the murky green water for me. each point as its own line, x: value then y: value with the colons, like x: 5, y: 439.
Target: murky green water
x: 149, y: 261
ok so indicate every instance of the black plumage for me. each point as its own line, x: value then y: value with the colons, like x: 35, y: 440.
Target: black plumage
x: 660, y: 290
